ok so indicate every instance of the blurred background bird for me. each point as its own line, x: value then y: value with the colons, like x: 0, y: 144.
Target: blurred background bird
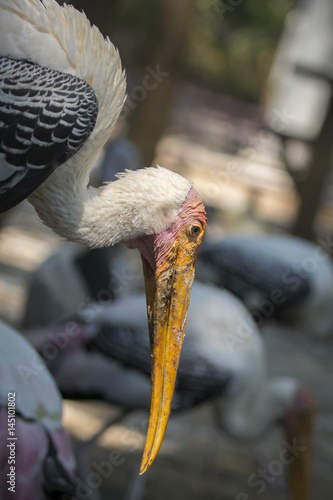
x: 276, y: 276
x: 36, y: 456
x: 106, y: 355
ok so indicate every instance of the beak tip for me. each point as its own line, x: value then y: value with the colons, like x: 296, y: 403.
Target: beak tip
x: 167, y: 304
x: 145, y: 465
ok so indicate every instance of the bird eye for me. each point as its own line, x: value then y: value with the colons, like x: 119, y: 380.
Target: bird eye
x: 194, y: 230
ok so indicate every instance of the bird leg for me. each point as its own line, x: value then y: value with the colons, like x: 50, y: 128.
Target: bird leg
x: 298, y: 432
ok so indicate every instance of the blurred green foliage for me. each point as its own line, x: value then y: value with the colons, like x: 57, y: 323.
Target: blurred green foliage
x: 231, y: 43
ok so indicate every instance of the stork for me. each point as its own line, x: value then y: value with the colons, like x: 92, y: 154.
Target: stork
x: 61, y: 91
x: 223, y: 359
x: 35, y: 456
x: 276, y: 275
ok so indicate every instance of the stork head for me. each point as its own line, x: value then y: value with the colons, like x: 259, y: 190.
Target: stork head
x: 168, y: 264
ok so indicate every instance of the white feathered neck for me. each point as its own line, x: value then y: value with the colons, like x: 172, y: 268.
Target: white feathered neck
x: 139, y: 203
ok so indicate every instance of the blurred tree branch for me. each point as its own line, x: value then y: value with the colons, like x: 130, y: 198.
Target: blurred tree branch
x: 167, y: 54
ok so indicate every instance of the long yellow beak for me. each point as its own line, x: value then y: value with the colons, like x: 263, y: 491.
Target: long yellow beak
x: 168, y: 296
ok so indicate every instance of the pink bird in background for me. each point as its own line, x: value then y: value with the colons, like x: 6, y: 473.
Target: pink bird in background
x: 36, y: 459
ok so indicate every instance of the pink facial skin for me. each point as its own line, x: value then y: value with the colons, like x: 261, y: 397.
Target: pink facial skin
x: 155, y: 247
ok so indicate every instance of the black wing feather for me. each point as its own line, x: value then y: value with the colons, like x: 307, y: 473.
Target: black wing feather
x: 250, y: 273
x: 45, y: 118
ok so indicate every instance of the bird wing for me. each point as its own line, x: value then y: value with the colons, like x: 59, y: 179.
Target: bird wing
x: 252, y: 274
x: 124, y: 342
x: 45, y: 118
x: 198, y: 378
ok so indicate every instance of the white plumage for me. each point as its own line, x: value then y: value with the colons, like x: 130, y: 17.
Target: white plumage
x: 22, y: 367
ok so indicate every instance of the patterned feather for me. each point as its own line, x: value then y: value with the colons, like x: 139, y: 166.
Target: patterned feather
x: 45, y: 118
